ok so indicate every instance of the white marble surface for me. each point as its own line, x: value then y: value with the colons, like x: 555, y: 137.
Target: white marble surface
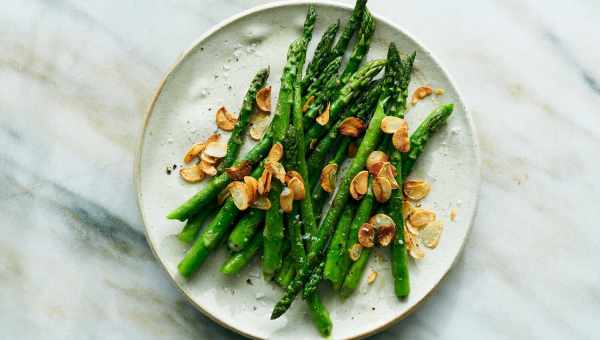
x: 76, y: 79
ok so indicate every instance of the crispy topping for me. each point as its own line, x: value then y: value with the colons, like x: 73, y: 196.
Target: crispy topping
x: 225, y: 119
x: 366, y: 235
x: 413, y: 246
x: 207, y: 168
x: 292, y: 174
x: 323, y: 118
x: 239, y: 195
x: 359, y: 185
x: 388, y: 171
x: 208, y: 159
x: 224, y: 194
x: 327, y: 179
x: 420, y: 93
x: 216, y: 149
x: 262, y: 203
x: 439, y: 91
x: 286, y: 200
x: 192, y: 174
x: 355, y: 251
x: 416, y: 189
x: 453, y: 214
x: 193, y: 152
x: 400, y: 138
x: 308, y: 103
x: 372, y: 277
x: 375, y: 161
x: 297, y: 187
x: 421, y: 217
x: 260, y: 122
x: 264, y: 182
x: 430, y: 235
x: 352, y: 127
x: 382, y: 189
x: 252, y: 187
x: 391, y: 124
x: 276, y: 153
x: 238, y: 172
x: 263, y: 99
x: 276, y: 169
x: 407, y: 209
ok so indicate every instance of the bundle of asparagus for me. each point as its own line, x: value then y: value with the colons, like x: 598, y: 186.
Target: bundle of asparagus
x: 269, y: 201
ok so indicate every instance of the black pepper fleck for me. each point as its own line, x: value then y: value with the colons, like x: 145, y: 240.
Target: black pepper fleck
x: 201, y: 48
x: 168, y: 170
x: 248, y: 281
x: 174, y: 166
x: 254, y: 308
x: 372, y: 308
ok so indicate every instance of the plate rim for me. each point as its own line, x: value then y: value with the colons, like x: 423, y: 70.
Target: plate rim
x: 284, y: 3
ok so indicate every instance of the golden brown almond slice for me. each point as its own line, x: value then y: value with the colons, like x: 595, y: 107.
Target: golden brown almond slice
x: 259, y: 126
x: 224, y: 194
x: 208, y: 159
x: 276, y: 169
x: 213, y: 138
x: 194, y: 152
x: 292, y: 174
x: 411, y: 229
x: 327, y: 179
x: 420, y: 93
x: 439, y: 91
x: 239, y: 171
x: 207, y: 168
x: 385, y: 228
x: 323, y: 118
x: 216, y: 149
x: 297, y: 187
x: 430, y: 235
x: 239, y: 195
x: 382, y: 189
x: 416, y: 189
x: 225, y: 119
x: 354, y: 251
x: 413, y: 246
x: 252, y: 187
x: 453, y: 214
x: 388, y: 171
x: 276, y: 153
x: 372, y: 277
x: 286, y: 200
x: 264, y: 182
x: 380, y: 220
x: 400, y: 138
x: 407, y: 209
x: 375, y: 160
x: 263, y: 99
x: 352, y: 127
x: 262, y: 203
x: 421, y: 218
x: 308, y: 103
x: 359, y: 185
x: 192, y: 174
x: 389, y: 124
x: 366, y: 235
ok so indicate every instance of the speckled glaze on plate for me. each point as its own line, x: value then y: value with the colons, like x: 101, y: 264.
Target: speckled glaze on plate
x: 216, y: 71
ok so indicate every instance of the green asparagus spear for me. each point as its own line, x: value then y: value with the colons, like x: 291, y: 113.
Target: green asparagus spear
x: 193, y: 225
x: 245, y: 229
x: 273, y: 233
x: 238, y: 260
x: 350, y: 28
x: 354, y: 274
x: 319, y: 195
x: 237, y: 135
x: 330, y: 72
x: 285, y: 275
x: 313, y: 282
x: 321, y: 58
x: 337, y: 248
x: 367, y: 27
x: 319, y: 315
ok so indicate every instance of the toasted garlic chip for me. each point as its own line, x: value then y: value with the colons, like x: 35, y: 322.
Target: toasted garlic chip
x: 192, y: 174
x: 355, y: 251
x: 323, y: 118
x: 359, y: 185
x: 390, y: 124
x: 193, y: 152
x: 286, y: 200
x: 453, y: 214
x: 407, y: 209
x: 252, y: 187
x: 263, y: 99
x: 264, y: 182
x: 352, y: 127
x: 372, y: 277
x: 276, y: 169
x: 411, y: 229
x: 239, y: 195
x: 439, y: 91
x: 328, y: 175
x: 224, y: 194
x: 376, y: 160
x: 207, y: 168
x: 366, y: 235
x: 385, y: 228
x: 213, y: 138
x: 216, y: 149
x: 400, y: 138
x: 225, y: 119
x: 262, y: 203
x: 416, y: 189
x: 430, y: 235
x: 238, y: 172
x: 413, y: 246
x: 276, y: 153
x: 382, y: 189
x: 259, y: 126
x: 208, y: 159
x: 292, y: 174
x: 420, y: 93
x: 388, y: 171
x: 308, y: 103
x: 297, y: 187
x: 421, y: 218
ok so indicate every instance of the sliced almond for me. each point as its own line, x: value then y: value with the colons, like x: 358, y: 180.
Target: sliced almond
x: 239, y: 195
x: 239, y: 171
x: 413, y: 246
x: 420, y: 93
x: 389, y: 124
x: 376, y: 160
x: 352, y: 127
x: 263, y: 99
x: 286, y: 200
x: 292, y: 174
x: 262, y: 203
x: 416, y: 189
x: 381, y: 220
x: 264, y: 182
x: 207, y: 168
x: 213, y: 138
x: 421, y: 218
x: 430, y: 235
x: 308, y: 103
x: 366, y: 235
x: 359, y: 185
x: 208, y: 159
x: 193, y: 152
x: 276, y: 153
x: 385, y: 228
x: 225, y: 119
x: 328, y: 175
x: 411, y: 229
x: 355, y: 251
x: 297, y: 187
x: 192, y: 174
x: 252, y: 187
x: 453, y: 214
x: 388, y: 171
x: 407, y: 209
x: 216, y: 149
x: 259, y: 126
x: 224, y: 194
x: 352, y: 149
x: 323, y: 118
x: 372, y: 277
x: 259, y: 116
x: 400, y: 138
x: 382, y: 189
x: 276, y: 169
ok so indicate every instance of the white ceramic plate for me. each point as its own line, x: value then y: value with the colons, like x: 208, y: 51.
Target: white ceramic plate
x: 216, y: 71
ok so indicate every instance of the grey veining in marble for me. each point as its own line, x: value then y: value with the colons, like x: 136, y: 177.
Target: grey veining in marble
x: 77, y: 76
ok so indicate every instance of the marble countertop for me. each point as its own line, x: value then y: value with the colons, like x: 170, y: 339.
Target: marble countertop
x: 76, y: 80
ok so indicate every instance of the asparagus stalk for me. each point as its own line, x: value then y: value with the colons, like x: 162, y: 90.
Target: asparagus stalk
x: 319, y: 315
x: 245, y: 229
x: 337, y: 248
x: 350, y: 28
x: 192, y: 226
x: 238, y: 260
x: 330, y: 72
x: 321, y: 58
